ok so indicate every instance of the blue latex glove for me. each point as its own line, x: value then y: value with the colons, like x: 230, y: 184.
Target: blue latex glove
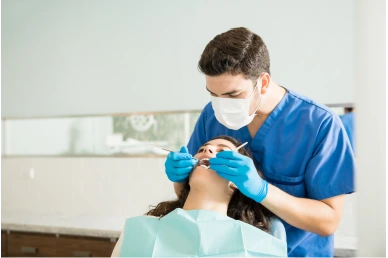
x: 240, y: 169
x: 179, y: 165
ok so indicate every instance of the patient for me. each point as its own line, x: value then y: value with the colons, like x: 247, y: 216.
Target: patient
x: 208, y: 191
x: 206, y: 199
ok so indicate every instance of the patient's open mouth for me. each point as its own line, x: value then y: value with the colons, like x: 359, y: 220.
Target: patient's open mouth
x: 204, y: 163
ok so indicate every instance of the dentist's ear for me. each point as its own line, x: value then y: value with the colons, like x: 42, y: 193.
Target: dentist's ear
x: 265, y: 79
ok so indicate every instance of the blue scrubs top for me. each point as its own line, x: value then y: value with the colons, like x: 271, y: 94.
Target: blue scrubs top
x: 348, y: 122
x: 301, y: 148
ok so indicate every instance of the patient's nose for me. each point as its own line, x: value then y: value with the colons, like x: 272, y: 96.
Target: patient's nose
x: 210, y: 149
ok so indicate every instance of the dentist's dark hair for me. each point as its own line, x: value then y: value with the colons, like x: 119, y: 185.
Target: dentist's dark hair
x: 237, y: 51
x: 240, y: 207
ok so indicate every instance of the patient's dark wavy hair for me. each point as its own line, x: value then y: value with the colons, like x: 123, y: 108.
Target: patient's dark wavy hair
x: 240, y: 207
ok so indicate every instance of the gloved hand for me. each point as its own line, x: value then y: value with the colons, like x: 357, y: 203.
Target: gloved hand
x: 240, y: 169
x: 179, y: 165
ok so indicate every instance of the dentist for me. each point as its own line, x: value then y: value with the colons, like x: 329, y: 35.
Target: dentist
x: 298, y: 144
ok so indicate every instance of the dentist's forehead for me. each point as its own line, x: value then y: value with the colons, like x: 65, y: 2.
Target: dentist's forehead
x: 224, y: 84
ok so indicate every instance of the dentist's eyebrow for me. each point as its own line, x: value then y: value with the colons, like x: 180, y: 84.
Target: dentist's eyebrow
x: 228, y: 93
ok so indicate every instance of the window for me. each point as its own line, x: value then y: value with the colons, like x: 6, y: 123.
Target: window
x: 117, y: 135
x: 97, y: 135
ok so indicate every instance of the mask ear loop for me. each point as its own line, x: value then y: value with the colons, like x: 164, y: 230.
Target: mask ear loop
x: 253, y: 89
x: 256, y: 87
x: 261, y: 98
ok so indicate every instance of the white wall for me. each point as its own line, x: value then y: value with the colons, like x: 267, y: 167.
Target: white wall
x: 67, y: 57
x: 121, y: 187
x: 371, y: 126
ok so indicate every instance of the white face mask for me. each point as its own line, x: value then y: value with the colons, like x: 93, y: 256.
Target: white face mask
x: 234, y: 113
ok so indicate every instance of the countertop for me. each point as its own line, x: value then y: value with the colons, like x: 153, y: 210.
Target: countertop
x: 108, y: 227
x: 95, y: 226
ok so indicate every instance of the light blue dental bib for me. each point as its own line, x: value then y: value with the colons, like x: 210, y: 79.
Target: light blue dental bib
x: 196, y: 233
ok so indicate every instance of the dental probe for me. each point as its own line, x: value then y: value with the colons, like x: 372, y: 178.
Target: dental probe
x: 239, y: 147
x: 165, y: 149
x: 161, y: 148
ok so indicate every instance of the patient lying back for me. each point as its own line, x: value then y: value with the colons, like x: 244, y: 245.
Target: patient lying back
x: 211, y: 217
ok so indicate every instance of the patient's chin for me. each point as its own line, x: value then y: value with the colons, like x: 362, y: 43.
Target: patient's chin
x: 202, y: 170
x: 203, y: 176
x: 198, y: 171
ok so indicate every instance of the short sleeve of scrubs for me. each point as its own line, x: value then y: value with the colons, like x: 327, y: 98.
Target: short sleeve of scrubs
x: 330, y: 169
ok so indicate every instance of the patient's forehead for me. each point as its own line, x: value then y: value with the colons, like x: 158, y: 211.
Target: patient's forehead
x: 221, y: 142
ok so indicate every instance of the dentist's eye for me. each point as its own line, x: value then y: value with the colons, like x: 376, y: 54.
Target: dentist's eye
x: 235, y: 95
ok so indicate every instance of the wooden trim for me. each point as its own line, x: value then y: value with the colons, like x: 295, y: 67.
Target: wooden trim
x: 4, y: 244
x: 42, y: 244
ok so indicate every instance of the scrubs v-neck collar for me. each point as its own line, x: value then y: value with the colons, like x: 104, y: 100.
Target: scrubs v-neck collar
x: 255, y: 143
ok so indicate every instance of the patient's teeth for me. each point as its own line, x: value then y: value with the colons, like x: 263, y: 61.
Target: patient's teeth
x: 204, y: 163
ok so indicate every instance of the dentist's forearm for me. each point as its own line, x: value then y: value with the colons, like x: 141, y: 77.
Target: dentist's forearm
x: 310, y: 215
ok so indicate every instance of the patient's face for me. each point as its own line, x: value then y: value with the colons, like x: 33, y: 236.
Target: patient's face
x: 202, y: 177
x: 211, y: 148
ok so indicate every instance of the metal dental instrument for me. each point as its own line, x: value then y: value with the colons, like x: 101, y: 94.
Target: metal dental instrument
x: 161, y: 148
x: 203, y: 162
x: 166, y: 149
x: 239, y: 147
